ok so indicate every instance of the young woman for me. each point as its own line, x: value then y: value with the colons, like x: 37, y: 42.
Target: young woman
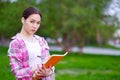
x: 27, y: 51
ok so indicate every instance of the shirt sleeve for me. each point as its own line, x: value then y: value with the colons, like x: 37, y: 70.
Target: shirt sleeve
x: 16, y: 61
x: 45, y: 56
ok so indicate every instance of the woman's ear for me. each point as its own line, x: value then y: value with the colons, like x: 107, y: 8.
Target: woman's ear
x: 22, y: 19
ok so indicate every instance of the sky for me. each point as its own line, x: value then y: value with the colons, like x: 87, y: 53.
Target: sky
x: 113, y: 9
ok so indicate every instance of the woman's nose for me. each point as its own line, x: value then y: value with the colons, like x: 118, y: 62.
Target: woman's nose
x: 35, y: 25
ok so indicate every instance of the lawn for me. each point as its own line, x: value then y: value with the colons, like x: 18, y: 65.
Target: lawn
x: 74, y: 66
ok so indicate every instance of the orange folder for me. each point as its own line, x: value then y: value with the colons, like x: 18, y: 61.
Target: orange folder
x: 54, y: 59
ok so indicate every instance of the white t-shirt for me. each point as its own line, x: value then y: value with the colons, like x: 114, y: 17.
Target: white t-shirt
x: 34, y: 52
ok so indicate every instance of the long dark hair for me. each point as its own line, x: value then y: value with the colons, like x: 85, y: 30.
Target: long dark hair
x: 29, y: 11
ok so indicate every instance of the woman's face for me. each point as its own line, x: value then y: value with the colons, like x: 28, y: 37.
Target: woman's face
x: 31, y: 24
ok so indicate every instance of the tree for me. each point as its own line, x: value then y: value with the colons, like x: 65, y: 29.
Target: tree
x: 11, y: 14
x: 75, y: 22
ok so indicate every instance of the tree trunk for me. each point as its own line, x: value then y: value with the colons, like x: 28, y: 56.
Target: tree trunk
x: 67, y: 42
x: 98, y: 38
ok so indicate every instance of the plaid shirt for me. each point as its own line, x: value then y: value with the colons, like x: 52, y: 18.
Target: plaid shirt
x: 18, y: 56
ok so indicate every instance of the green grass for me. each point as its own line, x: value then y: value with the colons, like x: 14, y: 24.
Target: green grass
x: 88, y: 67
x: 5, y: 72
x: 74, y: 67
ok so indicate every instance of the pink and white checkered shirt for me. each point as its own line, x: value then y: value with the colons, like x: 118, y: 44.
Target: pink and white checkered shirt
x: 18, y: 56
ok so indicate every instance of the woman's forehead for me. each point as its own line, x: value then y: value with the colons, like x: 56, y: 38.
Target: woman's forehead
x: 35, y: 17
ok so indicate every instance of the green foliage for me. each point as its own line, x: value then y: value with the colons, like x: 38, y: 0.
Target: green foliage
x: 79, y: 20
x: 11, y: 14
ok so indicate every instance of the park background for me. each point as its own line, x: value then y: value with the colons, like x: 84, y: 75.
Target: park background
x: 67, y: 25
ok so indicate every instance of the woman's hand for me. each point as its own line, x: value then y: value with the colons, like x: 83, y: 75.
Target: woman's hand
x: 42, y: 71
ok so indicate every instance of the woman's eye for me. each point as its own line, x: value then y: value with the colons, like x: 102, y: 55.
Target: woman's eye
x: 38, y: 22
x: 32, y: 21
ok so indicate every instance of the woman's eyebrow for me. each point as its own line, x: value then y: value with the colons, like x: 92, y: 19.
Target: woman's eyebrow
x: 35, y: 20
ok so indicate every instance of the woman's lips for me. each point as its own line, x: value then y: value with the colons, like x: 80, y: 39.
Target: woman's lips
x: 33, y: 30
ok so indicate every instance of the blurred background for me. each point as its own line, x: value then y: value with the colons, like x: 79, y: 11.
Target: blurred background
x: 88, y: 28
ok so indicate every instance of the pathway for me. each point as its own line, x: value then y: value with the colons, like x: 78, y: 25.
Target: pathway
x: 91, y: 50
